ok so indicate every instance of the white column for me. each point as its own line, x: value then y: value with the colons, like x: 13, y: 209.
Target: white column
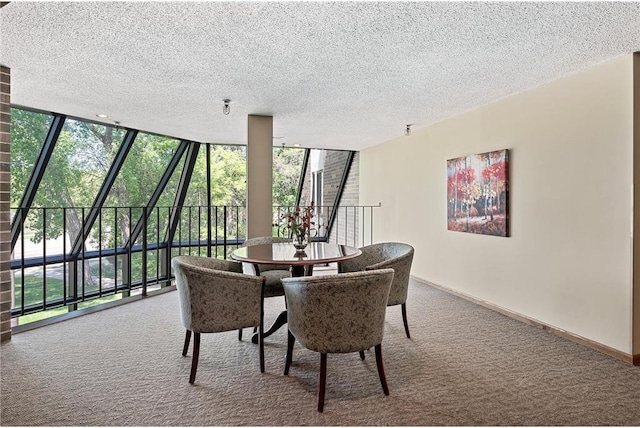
x: 259, y: 175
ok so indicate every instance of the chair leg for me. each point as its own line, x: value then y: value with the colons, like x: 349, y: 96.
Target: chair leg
x: 196, y: 354
x: 240, y: 334
x: 404, y: 318
x: 323, y: 381
x: 187, y: 339
x: 383, y: 379
x: 362, y: 355
x: 261, y: 347
x: 290, y: 342
x: 260, y: 328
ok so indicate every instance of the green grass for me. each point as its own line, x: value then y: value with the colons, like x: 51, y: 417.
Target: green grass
x: 33, y: 289
x: 33, y: 296
x: 26, y: 319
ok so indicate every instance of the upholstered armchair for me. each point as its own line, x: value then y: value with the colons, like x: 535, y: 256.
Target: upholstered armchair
x: 216, y: 296
x: 337, y: 314
x: 395, y: 255
x: 272, y: 274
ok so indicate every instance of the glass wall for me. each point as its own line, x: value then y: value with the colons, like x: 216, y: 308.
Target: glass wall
x: 98, y: 211
x: 287, y: 167
x: 28, y: 132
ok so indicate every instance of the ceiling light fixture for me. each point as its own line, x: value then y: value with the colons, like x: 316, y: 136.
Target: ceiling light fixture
x: 102, y: 115
x: 226, y: 108
x: 407, y: 131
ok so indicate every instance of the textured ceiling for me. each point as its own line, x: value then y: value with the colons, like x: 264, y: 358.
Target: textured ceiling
x: 344, y: 75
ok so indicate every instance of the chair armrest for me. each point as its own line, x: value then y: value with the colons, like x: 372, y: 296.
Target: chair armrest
x: 382, y: 265
x: 211, y: 263
x: 224, y: 275
x: 356, y: 264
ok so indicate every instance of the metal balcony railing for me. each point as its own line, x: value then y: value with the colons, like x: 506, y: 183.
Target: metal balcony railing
x: 62, y: 262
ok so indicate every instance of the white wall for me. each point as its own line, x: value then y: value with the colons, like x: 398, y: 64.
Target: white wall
x: 568, y: 260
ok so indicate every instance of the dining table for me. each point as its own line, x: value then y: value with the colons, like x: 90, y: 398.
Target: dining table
x: 301, y: 262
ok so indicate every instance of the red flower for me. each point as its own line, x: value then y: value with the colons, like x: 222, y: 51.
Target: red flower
x: 299, y: 222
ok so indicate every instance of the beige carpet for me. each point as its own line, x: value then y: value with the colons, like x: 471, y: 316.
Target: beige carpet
x: 465, y: 365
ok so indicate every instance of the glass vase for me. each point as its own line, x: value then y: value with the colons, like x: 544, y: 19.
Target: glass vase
x: 300, y: 242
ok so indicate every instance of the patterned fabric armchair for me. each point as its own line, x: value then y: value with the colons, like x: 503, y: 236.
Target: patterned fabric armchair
x: 395, y: 255
x: 216, y: 296
x: 273, y: 274
x: 337, y: 314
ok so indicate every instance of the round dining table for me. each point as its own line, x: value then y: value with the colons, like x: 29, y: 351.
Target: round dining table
x: 301, y: 262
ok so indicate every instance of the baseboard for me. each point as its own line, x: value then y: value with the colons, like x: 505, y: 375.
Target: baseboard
x: 628, y: 358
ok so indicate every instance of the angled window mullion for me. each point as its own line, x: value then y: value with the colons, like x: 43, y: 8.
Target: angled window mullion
x: 36, y: 176
x: 117, y: 163
x: 303, y: 172
x: 181, y: 194
x: 155, y: 197
x: 343, y: 181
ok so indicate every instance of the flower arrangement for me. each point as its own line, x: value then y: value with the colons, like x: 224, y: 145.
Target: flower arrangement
x: 298, y: 223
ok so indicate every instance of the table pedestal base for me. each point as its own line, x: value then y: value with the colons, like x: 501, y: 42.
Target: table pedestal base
x: 302, y: 270
x: 296, y: 270
x: 279, y: 322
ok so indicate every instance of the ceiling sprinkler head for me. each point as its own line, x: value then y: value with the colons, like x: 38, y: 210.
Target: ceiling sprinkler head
x: 407, y: 130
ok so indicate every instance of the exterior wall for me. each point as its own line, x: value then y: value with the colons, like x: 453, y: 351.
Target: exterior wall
x: 351, y: 194
x: 350, y: 198
x: 5, y: 200
x: 568, y: 262
x: 332, y: 163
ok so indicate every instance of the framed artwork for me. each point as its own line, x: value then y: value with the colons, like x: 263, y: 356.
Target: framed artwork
x: 478, y: 193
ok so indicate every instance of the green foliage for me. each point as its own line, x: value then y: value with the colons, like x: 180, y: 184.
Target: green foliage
x: 83, y: 155
x: 79, y: 163
x: 228, y: 177
x: 81, y: 159
x: 148, y: 157
x: 28, y: 132
x: 287, y: 167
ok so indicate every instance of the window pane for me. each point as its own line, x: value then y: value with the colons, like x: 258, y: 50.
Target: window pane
x: 28, y: 132
x: 137, y: 180
x: 322, y: 183
x: 287, y: 167
x: 79, y: 164
x: 228, y: 175
x: 142, y: 169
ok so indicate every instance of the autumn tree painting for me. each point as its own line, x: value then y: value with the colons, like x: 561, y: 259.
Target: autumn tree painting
x: 477, y: 193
